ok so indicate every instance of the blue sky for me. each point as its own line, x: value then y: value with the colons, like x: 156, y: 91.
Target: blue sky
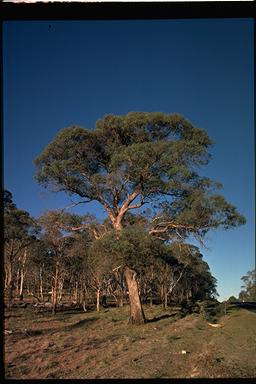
x: 74, y: 72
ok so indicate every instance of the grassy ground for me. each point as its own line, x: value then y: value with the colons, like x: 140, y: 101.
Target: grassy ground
x: 75, y: 345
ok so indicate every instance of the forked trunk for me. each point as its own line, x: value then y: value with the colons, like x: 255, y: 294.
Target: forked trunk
x: 136, y: 311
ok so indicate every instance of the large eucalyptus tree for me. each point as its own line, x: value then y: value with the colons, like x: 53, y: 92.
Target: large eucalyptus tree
x: 130, y: 160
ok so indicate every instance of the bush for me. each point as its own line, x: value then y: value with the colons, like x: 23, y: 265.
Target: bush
x: 211, y: 310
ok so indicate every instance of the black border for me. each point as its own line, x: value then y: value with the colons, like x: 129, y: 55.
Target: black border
x: 126, y: 10
x: 114, y: 11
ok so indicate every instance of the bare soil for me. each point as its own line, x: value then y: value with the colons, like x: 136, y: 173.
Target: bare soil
x: 78, y: 345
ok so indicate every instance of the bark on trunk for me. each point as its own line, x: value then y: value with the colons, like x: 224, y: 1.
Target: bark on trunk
x: 165, y: 297
x: 136, y: 311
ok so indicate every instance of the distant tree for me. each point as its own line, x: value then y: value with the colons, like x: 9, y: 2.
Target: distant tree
x: 232, y: 299
x: 131, y: 160
x: 20, y: 231
x: 66, y: 239
x: 57, y: 244
x: 248, y: 292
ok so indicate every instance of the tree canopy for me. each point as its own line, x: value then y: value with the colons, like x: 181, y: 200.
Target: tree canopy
x: 128, y: 161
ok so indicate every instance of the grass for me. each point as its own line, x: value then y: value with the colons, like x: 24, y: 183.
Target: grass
x: 103, y: 345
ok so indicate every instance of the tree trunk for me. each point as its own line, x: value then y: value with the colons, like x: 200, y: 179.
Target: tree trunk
x: 10, y: 284
x: 22, y: 275
x: 41, y: 294
x: 136, y: 311
x: 76, y: 292
x: 98, y: 300
x: 60, y: 290
x: 17, y: 281
x: 165, y: 298
x: 55, y: 289
x: 84, y: 299
x: 164, y: 295
x: 121, y: 300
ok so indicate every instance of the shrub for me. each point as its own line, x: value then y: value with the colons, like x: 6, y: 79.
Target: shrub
x: 211, y: 310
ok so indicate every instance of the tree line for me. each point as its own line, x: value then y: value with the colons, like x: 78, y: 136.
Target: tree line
x: 126, y: 163
x: 59, y: 252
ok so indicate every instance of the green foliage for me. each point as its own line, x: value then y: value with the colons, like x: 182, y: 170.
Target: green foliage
x: 211, y: 310
x: 139, y: 157
x: 248, y: 292
x: 232, y: 299
x: 132, y: 246
x: 20, y: 228
x: 138, y: 150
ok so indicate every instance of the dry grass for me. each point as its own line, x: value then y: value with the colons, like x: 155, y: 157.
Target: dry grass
x: 102, y: 345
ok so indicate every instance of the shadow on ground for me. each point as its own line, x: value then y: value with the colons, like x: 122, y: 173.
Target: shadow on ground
x: 166, y: 316
x: 50, y: 331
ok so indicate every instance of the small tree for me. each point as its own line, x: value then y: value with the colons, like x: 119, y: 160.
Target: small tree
x: 249, y: 286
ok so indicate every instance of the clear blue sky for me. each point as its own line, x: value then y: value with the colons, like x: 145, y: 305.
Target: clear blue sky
x: 73, y: 72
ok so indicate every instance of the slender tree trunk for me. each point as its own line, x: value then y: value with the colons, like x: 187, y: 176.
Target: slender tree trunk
x: 136, y: 311
x: 76, y: 292
x: 165, y: 298
x: 60, y: 290
x: 55, y: 288
x: 164, y: 295
x: 22, y: 275
x: 5, y: 280
x: 10, y: 285
x: 41, y: 295
x: 151, y: 287
x: 18, y: 277
x: 121, y: 299
x: 84, y: 299
x: 98, y: 300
